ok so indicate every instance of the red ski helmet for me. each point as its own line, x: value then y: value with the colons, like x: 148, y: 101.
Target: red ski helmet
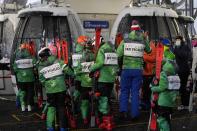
x: 135, y: 25
x: 45, y: 51
x: 82, y: 39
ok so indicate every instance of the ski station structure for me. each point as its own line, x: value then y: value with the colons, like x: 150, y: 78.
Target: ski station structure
x: 42, y: 22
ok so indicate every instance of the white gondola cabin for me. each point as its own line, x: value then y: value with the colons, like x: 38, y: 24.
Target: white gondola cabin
x: 45, y: 25
x: 158, y: 21
x: 8, y: 23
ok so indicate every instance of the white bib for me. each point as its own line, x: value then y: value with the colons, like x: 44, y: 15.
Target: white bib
x: 75, y: 59
x: 24, y: 63
x: 134, y: 49
x: 111, y: 59
x: 174, y: 82
x: 86, y: 66
x: 52, y: 71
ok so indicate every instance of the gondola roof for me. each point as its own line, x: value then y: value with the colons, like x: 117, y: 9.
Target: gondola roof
x: 149, y: 10
x: 45, y: 10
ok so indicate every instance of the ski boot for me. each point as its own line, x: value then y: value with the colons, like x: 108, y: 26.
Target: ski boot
x: 50, y: 129
x: 22, y: 108
x: 98, y: 121
x: 29, y: 108
x: 63, y: 129
x: 85, y: 121
x: 107, y: 123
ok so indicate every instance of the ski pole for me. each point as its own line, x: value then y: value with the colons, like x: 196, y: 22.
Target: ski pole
x: 94, y: 97
x: 44, y: 111
x: 192, y: 94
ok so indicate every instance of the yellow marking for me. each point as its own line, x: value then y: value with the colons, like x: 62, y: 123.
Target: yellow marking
x: 26, y: 122
x: 38, y: 115
x: 26, y: 116
x: 134, y: 124
x: 86, y: 129
x: 15, y: 117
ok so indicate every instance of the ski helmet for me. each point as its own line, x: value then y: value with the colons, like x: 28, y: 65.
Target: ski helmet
x: 82, y: 40
x: 44, y: 52
x: 135, y: 25
x: 169, y: 67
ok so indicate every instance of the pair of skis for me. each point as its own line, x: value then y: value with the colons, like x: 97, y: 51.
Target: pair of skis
x: 152, y: 125
x: 71, y: 114
x: 191, y: 99
x: 93, y: 107
x: 62, y: 50
x: 94, y: 98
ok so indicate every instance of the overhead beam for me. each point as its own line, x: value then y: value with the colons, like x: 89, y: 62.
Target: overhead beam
x: 168, y: 2
x: 195, y: 14
x: 13, y: 6
x: 179, y: 3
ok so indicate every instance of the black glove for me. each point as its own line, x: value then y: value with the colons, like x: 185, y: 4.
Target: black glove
x: 91, y: 74
x: 155, y: 81
x: 196, y: 69
x: 119, y: 72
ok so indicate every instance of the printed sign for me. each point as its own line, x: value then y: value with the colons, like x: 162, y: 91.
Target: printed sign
x: 76, y: 59
x: 86, y: 66
x: 24, y: 63
x: 134, y: 49
x: 52, y: 71
x: 95, y: 24
x: 111, y: 59
x: 174, y: 82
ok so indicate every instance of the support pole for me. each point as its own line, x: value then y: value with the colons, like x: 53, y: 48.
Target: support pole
x: 186, y: 8
x: 158, y: 2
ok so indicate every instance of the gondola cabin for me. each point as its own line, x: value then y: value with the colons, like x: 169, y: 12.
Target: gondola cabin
x: 186, y: 24
x: 48, y: 25
x: 8, y: 23
x: 158, y: 21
